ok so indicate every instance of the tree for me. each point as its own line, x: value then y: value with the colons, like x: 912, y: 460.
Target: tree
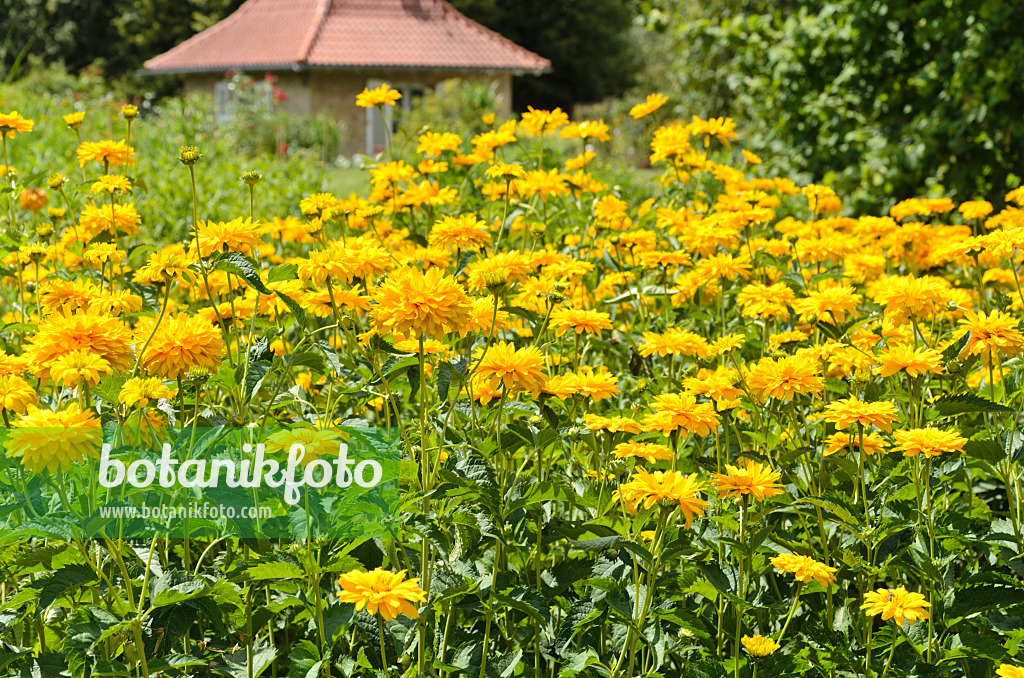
x: 587, y: 41
x: 886, y: 99
x: 121, y: 33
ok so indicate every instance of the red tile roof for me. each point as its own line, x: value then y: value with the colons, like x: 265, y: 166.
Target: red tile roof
x: 302, y: 34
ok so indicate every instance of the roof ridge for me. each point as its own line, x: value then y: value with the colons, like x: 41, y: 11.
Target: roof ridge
x: 479, y: 27
x: 322, y: 10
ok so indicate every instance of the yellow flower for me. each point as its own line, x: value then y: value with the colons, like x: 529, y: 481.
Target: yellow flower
x: 994, y: 332
x: 898, y: 604
x: 516, y: 370
x: 759, y: 646
x: 411, y: 302
x: 805, y: 569
x: 752, y: 478
x: 785, y: 378
x: 1009, y: 671
x: 843, y: 442
x: 65, y: 332
x: 588, y: 129
x: 314, y: 443
x: 379, y: 96
x: 12, y: 123
x: 750, y: 157
x: 435, y: 143
x: 582, y: 321
x: 598, y: 386
x: 78, y: 367
x: 108, y: 153
x: 111, y: 183
x: 541, y: 122
x: 612, y: 424
x: 831, y: 304
x: 906, y: 358
x: 381, y: 591
x: 16, y: 394
x: 846, y: 413
x: 975, y: 209
x: 138, y: 391
x: 54, y: 440
x: 649, y: 452
x: 653, y: 103
x: 74, y: 120
x: 722, y: 129
x: 180, y: 343
x: 647, y: 489
x: 464, y: 232
x: 910, y: 297
x: 673, y: 411
x: 931, y: 442
x: 675, y: 341
x: 237, y: 235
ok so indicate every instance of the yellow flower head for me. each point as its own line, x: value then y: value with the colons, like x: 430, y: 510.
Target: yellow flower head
x: 1009, y: 671
x: 181, y: 342
x: 649, y: 452
x: 785, y: 378
x: 913, y: 361
x: 74, y: 120
x: 81, y: 366
x: 846, y: 413
x: 54, y: 440
x: 388, y: 593
x: 805, y: 569
x: 751, y: 478
x: 16, y: 394
x: 514, y: 369
x: 897, y: 604
x: 674, y: 411
x: 379, y: 96
x: 653, y: 103
x: 237, y: 235
x: 107, y: 152
x: 759, y: 646
x: 931, y: 442
x: 138, y: 391
x: 111, y: 183
x: 313, y: 443
x: 993, y: 333
x: 12, y: 123
x: 412, y: 302
x: 646, y: 489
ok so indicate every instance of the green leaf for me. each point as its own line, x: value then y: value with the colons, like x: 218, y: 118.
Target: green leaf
x: 245, y: 268
x: 304, y: 660
x: 275, y: 570
x: 951, y: 405
x: 293, y: 306
x: 283, y: 272
x: 175, y: 587
x: 254, y: 377
x: 504, y: 666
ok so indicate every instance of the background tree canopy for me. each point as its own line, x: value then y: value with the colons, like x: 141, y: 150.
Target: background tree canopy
x: 884, y: 99
x: 588, y: 42
x: 121, y: 33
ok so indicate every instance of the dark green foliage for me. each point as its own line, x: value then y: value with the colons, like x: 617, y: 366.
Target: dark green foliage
x: 876, y: 98
x: 587, y: 42
x: 121, y: 33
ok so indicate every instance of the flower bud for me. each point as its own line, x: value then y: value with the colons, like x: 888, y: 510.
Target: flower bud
x: 56, y: 181
x: 251, y: 177
x: 33, y: 199
x: 188, y: 155
x: 129, y: 112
